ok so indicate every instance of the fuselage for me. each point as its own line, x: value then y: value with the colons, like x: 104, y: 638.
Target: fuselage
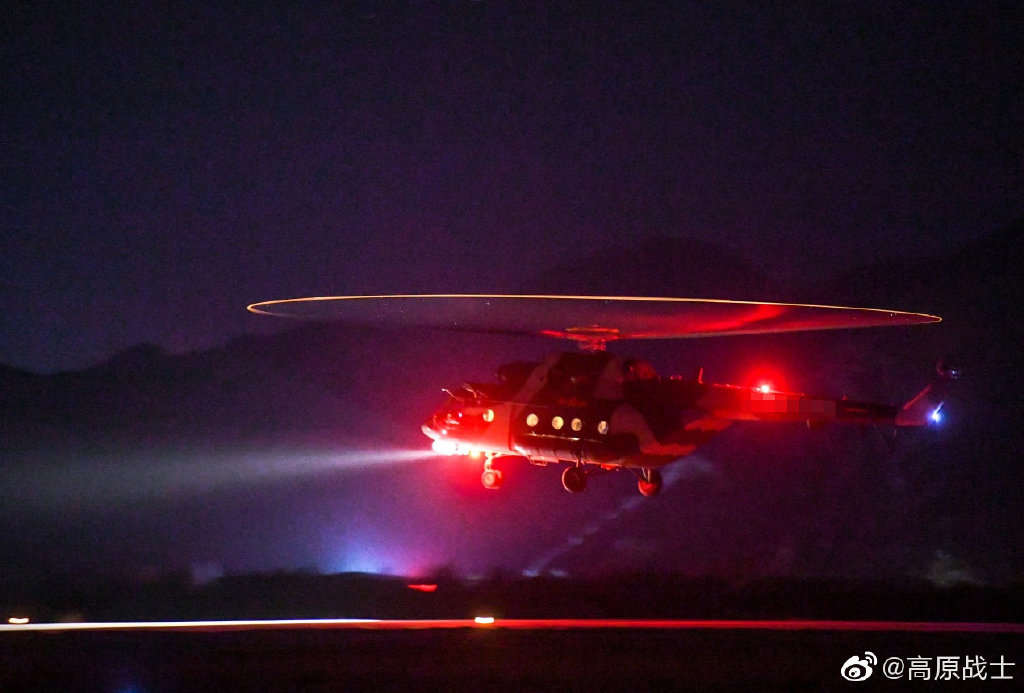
x: 597, y: 408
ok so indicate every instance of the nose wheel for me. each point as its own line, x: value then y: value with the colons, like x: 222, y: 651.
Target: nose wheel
x: 491, y: 479
x: 574, y: 479
x: 649, y: 482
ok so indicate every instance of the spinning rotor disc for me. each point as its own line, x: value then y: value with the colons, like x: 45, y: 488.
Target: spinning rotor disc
x: 590, y: 320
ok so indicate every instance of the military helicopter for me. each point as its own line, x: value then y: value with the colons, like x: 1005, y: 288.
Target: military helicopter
x: 591, y: 409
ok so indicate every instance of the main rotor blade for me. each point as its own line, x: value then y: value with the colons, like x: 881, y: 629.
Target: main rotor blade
x: 586, y: 318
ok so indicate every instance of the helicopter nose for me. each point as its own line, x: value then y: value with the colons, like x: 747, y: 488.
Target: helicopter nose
x: 429, y: 431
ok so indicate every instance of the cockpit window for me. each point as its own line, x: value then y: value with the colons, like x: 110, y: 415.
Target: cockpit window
x: 461, y: 414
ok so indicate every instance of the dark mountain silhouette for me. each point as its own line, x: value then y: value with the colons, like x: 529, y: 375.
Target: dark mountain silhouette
x: 658, y: 266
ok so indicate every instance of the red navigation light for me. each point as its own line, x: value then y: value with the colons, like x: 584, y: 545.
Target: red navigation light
x: 764, y: 379
x: 422, y: 587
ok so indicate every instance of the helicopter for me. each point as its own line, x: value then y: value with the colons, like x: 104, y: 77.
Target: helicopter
x: 591, y: 409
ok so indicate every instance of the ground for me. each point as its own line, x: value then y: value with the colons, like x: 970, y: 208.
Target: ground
x: 473, y: 659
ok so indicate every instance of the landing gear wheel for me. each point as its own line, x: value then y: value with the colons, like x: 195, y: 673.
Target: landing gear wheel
x: 574, y: 479
x: 649, y: 483
x: 491, y: 479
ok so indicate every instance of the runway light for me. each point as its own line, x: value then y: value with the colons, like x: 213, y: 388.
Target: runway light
x: 484, y: 620
x: 17, y: 621
x: 765, y: 388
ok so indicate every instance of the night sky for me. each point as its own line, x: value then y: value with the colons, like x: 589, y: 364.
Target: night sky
x: 165, y: 167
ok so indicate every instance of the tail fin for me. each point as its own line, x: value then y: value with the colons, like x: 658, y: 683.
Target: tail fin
x: 926, y: 407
